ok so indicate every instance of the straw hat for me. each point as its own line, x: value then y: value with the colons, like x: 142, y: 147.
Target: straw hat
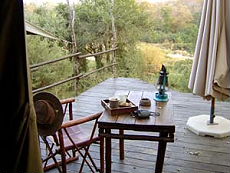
x: 49, y: 113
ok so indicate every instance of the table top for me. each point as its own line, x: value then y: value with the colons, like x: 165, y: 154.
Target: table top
x: 162, y: 123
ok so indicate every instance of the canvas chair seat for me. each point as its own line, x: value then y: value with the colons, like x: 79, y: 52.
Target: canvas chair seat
x: 79, y: 136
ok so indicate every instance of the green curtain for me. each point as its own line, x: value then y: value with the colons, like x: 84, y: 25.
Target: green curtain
x: 20, y: 152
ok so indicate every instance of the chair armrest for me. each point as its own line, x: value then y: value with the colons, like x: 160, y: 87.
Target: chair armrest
x: 69, y: 100
x: 81, y: 120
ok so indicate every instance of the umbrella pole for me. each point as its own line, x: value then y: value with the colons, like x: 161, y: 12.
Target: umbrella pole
x: 212, y: 116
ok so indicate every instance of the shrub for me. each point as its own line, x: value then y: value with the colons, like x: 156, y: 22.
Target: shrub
x: 179, y: 74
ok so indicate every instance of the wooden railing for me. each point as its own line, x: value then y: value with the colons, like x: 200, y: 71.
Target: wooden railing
x: 79, y: 76
x: 33, y: 67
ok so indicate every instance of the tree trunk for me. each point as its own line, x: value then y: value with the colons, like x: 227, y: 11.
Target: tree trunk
x: 76, y: 64
x: 71, y: 25
x: 114, y: 32
x: 114, y: 39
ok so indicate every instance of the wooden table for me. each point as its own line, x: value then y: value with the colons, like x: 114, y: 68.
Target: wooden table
x: 163, y: 125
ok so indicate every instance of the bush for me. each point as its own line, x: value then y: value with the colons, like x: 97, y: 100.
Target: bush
x: 41, y: 50
x: 179, y: 74
x: 153, y: 57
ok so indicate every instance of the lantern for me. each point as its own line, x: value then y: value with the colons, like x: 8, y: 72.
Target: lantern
x: 162, y: 86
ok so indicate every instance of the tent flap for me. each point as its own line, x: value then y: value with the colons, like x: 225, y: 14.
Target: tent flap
x: 19, y: 137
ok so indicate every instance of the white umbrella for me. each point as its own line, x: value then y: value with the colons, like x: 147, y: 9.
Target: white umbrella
x: 210, y: 75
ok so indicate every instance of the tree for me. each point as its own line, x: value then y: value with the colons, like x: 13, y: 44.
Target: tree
x: 48, y: 19
x: 41, y: 50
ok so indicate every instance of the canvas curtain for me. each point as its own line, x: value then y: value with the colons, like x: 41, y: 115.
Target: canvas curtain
x: 20, y: 151
x: 210, y: 75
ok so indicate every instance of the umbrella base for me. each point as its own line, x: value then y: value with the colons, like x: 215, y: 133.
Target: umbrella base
x: 200, y: 126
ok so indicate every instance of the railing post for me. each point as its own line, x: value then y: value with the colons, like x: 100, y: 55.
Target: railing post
x: 114, y: 61
x: 76, y: 71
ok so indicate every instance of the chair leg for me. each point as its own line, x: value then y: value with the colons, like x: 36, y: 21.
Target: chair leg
x: 76, y: 147
x: 93, y: 163
x: 52, y: 166
x: 91, y: 159
x: 62, y: 151
x: 84, y: 160
x: 51, y: 154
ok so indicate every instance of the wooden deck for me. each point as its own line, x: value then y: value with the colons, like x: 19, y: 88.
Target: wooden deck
x: 188, y: 154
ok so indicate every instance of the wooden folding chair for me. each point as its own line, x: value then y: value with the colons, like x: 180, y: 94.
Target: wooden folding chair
x: 71, y: 141
x: 73, y: 138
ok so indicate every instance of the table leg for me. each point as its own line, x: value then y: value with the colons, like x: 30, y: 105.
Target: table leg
x: 161, y: 153
x: 108, y: 151
x: 102, y: 153
x: 121, y: 143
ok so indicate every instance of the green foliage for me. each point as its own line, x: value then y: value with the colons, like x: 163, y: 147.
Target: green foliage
x: 173, y: 25
x: 133, y: 66
x: 41, y: 50
x: 179, y: 70
x: 179, y: 74
x: 131, y: 21
x: 50, y: 20
x: 153, y: 57
x: 176, y: 23
x: 92, y: 24
x: 95, y: 32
